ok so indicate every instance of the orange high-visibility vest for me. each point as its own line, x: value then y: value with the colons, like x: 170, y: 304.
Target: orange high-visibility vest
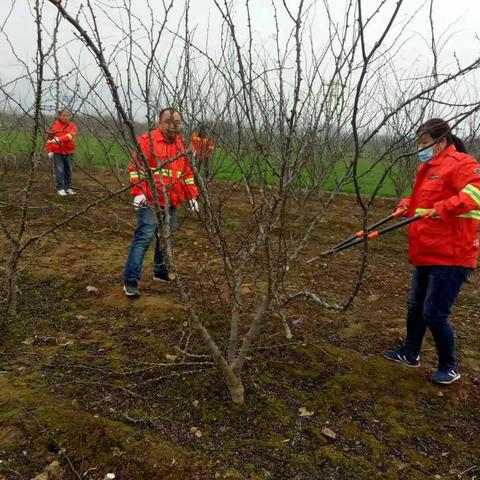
x: 66, y: 133
x: 203, y: 147
x: 172, y: 178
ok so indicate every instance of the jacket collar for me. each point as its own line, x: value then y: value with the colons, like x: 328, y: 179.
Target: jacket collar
x: 438, y: 158
x: 158, y: 136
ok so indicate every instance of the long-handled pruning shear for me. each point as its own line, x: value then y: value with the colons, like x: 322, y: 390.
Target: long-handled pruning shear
x: 371, y: 233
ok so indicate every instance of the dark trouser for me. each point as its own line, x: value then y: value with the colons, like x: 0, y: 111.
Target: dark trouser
x: 62, y: 165
x: 205, y: 161
x: 145, y: 232
x: 434, y: 291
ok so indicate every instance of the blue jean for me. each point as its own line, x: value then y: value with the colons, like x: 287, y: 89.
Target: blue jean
x: 434, y: 291
x: 146, y: 231
x: 62, y: 166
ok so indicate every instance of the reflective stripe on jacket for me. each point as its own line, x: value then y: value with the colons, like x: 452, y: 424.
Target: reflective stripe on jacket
x: 66, y: 133
x: 450, y: 183
x: 172, y: 177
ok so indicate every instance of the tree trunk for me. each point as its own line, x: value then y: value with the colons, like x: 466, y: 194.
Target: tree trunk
x: 11, y: 307
x: 235, y: 387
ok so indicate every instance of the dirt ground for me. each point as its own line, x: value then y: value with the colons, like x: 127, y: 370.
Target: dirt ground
x: 91, y: 379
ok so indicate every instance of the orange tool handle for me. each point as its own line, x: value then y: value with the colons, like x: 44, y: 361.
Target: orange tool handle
x: 358, y: 237
x: 399, y: 212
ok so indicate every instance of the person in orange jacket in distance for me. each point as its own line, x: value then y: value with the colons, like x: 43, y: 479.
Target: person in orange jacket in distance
x: 60, y: 147
x: 203, y: 147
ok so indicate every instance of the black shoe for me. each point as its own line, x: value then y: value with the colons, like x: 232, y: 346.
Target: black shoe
x: 131, y: 289
x: 163, y: 277
x: 400, y: 356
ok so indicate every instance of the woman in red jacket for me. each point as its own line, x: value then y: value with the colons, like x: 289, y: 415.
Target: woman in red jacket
x: 443, y: 247
x: 61, y: 147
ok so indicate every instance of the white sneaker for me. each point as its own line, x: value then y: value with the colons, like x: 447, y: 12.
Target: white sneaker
x: 71, y: 192
x: 62, y: 192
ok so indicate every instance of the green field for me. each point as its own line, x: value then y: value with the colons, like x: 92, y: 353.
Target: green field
x: 102, y: 152
x: 90, y: 149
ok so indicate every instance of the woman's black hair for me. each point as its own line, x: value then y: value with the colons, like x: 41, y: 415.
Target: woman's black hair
x: 438, y: 128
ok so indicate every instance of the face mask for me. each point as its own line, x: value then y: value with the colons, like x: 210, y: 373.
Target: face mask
x: 425, y: 155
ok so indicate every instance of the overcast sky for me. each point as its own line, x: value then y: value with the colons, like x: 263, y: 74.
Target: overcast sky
x: 461, y: 18
x: 464, y: 14
x: 456, y: 22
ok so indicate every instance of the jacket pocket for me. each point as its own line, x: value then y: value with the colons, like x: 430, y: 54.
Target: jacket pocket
x: 433, y: 185
x: 432, y: 238
x: 430, y: 192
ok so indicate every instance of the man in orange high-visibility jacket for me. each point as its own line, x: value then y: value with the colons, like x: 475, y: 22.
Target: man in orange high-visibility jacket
x: 443, y: 247
x: 174, y: 183
x: 203, y: 147
x: 60, y: 147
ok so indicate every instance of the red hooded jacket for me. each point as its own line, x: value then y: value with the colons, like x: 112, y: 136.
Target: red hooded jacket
x: 450, y: 183
x: 66, y: 133
x: 174, y: 177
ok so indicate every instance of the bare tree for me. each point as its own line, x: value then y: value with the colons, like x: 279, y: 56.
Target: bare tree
x: 288, y: 123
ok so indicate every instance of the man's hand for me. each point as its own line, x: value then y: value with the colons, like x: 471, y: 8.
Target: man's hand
x: 50, y: 155
x: 193, y: 205
x: 139, y: 201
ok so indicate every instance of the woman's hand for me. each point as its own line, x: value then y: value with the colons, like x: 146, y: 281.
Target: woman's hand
x: 400, y: 211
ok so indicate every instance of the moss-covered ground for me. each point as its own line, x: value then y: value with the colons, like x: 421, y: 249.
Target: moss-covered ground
x: 93, y: 379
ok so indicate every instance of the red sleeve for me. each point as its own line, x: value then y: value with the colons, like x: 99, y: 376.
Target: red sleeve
x: 69, y: 133
x: 188, y: 178
x: 49, y: 146
x: 404, y: 202
x: 137, y: 175
x: 210, y: 147
x: 466, y: 179
x: 194, y: 142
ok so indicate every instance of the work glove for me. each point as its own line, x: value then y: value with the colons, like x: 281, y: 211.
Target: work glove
x: 193, y: 205
x: 50, y: 155
x: 139, y: 201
